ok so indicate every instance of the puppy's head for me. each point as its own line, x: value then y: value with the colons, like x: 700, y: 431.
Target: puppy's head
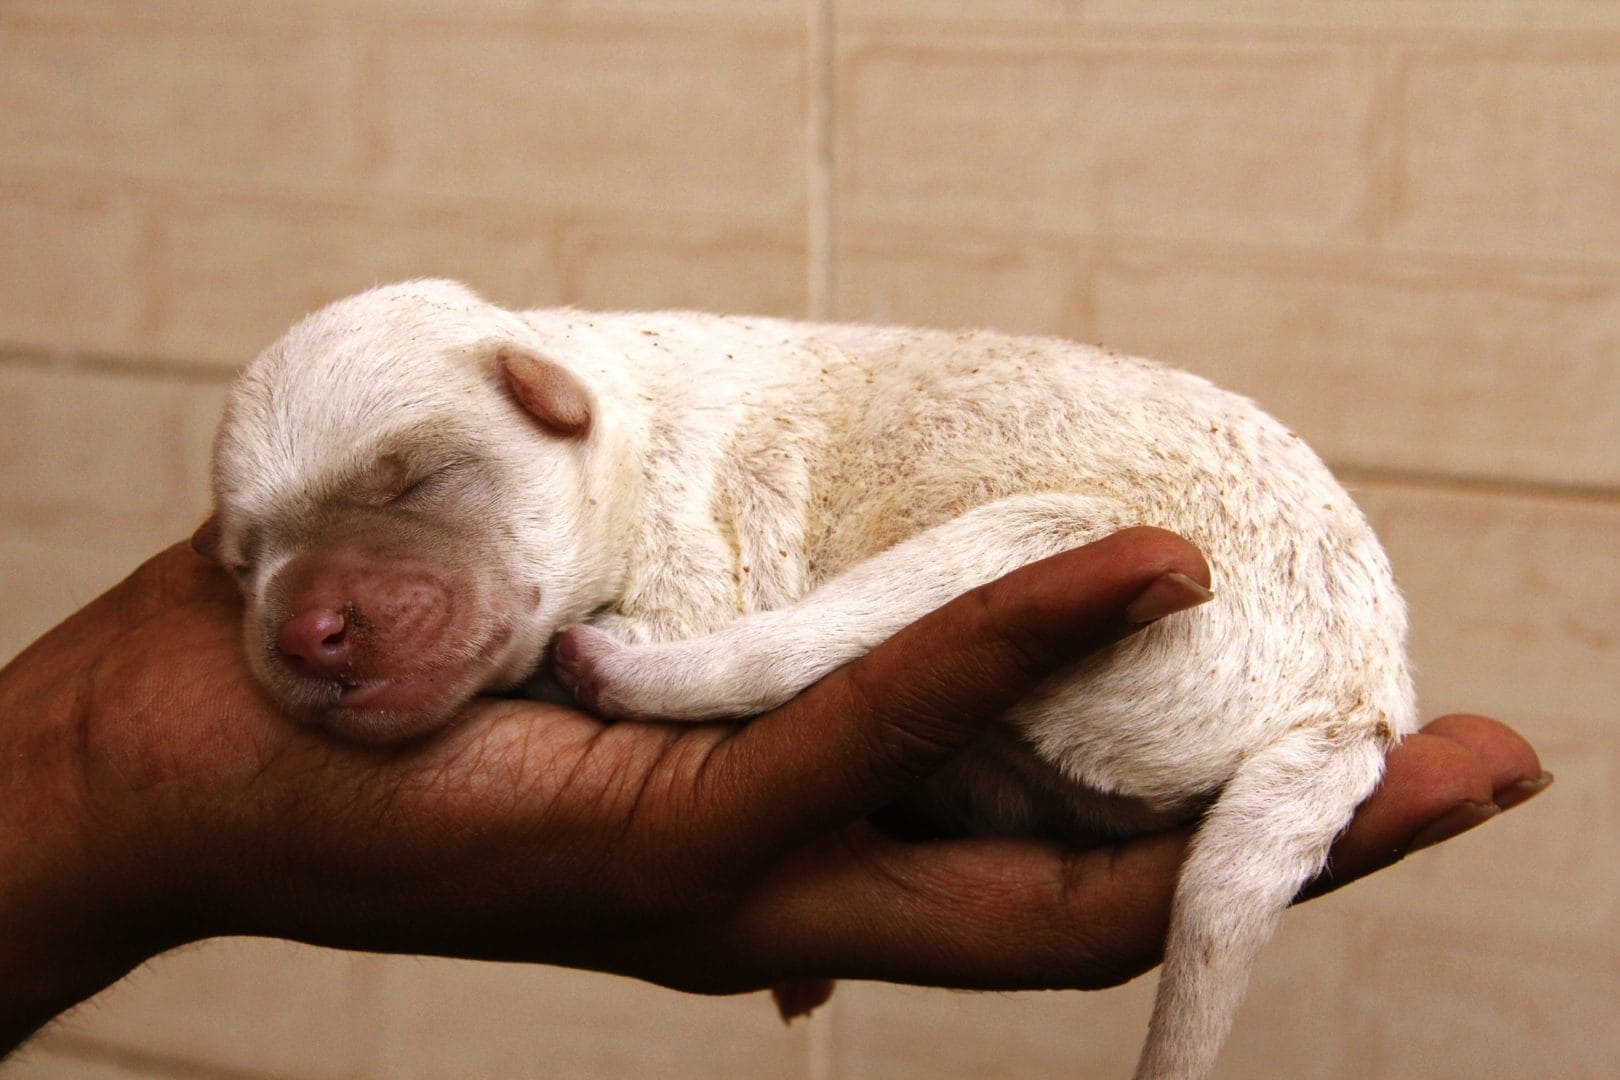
x: 399, y: 491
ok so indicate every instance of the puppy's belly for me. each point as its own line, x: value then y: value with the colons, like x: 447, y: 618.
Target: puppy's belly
x: 1141, y: 736
x: 1001, y: 787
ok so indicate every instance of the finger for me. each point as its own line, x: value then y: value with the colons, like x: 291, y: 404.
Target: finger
x: 862, y: 735
x: 987, y: 914
x: 1437, y: 783
x: 1511, y: 763
x: 1011, y: 913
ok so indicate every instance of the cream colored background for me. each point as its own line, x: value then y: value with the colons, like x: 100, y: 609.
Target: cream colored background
x: 1397, y: 224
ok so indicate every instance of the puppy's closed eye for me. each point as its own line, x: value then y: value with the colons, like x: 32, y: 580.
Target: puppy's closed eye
x: 391, y: 480
x: 424, y: 487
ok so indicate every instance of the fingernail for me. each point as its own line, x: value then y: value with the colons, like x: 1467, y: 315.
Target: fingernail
x: 1167, y: 594
x: 1518, y: 792
x: 1460, y: 820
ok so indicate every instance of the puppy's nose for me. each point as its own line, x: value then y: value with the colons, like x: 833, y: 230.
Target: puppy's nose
x: 316, y: 643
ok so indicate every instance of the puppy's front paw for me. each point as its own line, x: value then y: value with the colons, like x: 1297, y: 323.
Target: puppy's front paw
x: 686, y: 680
x: 582, y: 657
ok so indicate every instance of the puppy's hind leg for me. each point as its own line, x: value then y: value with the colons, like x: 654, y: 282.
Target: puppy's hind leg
x: 1266, y: 836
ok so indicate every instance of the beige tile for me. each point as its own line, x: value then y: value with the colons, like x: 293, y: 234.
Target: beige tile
x: 883, y: 1032
x: 863, y: 14
x: 1248, y: 140
x: 1515, y: 613
x: 1292, y: 1021
x: 97, y: 16
x: 460, y: 1018
x: 189, y: 12
x: 622, y: 9
x: 627, y: 263
x: 86, y: 456
x: 75, y: 1063
x: 1250, y: 15
x: 1445, y: 1003
x: 245, y: 1005
x: 44, y: 580
x: 97, y: 472
x: 1515, y: 604
x: 57, y: 1055
x: 1517, y: 153
x: 261, y: 105
x: 665, y: 117
x: 70, y: 266
x: 1416, y: 15
x: 230, y: 276
x: 1538, y: 877
x: 1522, y: 885
x: 923, y: 278
x: 1494, y: 370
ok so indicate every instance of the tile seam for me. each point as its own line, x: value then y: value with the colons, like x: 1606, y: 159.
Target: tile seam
x: 821, y: 53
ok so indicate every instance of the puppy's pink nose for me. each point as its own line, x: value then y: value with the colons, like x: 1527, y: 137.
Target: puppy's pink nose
x: 316, y: 643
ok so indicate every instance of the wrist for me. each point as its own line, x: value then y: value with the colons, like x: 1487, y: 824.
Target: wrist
x: 55, y: 951
x: 69, y: 914
x: 58, y: 944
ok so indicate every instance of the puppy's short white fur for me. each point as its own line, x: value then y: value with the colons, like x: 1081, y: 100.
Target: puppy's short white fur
x: 749, y: 503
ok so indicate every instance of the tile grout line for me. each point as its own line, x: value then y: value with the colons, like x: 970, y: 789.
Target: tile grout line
x: 820, y: 1044
x: 1382, y: 140
x: 485, y: 210
x: 1353, y: 476
x: 203, y: 373
x: 821, y: 301
x: 822, y: 304
x: 121, y: 365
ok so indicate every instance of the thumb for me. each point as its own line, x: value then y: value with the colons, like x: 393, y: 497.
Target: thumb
x: 861, y: 736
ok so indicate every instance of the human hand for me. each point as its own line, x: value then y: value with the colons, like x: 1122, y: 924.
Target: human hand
x: 166, y: 801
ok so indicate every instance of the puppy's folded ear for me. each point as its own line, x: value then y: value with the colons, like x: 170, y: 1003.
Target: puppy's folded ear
x: 550, y: 392
x: 205, y: 541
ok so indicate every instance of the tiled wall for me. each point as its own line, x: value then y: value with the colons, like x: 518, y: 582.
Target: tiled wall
x: 1396, y: 224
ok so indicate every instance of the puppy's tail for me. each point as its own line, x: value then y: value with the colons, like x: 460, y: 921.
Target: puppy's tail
x: 1266, y: 835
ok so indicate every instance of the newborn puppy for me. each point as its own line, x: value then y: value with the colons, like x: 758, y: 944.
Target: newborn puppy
x: 417, y: 490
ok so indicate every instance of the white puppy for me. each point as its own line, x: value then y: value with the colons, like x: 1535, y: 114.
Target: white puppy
x: 417, y: 490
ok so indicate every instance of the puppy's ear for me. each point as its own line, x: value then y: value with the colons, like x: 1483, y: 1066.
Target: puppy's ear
x: 205, y: 541
x: 549, y: 391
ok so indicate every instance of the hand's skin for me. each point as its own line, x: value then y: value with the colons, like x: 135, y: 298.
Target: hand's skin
x: 149, y: 797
